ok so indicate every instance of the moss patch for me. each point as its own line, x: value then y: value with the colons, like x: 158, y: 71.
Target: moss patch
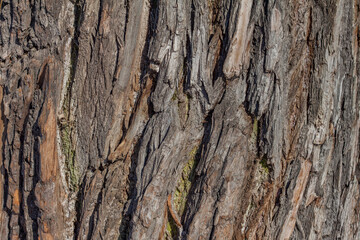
x: 174, y: 96
x: 172, y: 231
x: 265, y: 166
x: 69, y: 153
x: 185, y: 182
x: 181, y: 193
x: 255, y: 131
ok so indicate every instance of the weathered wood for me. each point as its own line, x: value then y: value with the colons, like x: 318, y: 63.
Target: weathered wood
x: 244, y: 112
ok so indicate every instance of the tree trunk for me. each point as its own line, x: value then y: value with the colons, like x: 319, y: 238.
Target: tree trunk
x: 180, y: 119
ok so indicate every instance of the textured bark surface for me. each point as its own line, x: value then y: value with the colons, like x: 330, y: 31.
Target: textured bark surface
x: 180, y: 119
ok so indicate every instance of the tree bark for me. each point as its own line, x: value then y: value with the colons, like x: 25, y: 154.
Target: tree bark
x: 179, y: 119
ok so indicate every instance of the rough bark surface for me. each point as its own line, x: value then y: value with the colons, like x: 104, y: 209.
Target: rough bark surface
x: 179, y: 119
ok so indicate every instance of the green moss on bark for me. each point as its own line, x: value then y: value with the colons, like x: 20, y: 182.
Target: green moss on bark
x: 69, y: 153
x: 255, y: 131
x: 265, y: 166
x: 185, y: 182
x: 67, y: 145
x: 172, y: 231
